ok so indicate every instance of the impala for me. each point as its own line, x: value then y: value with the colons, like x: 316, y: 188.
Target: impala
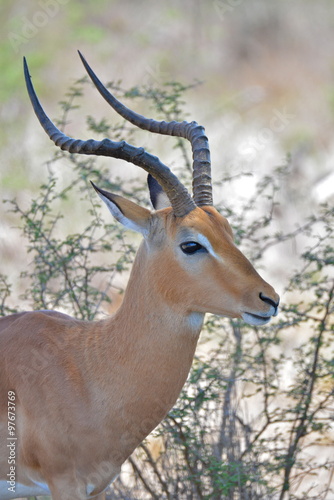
x: 85, y: 394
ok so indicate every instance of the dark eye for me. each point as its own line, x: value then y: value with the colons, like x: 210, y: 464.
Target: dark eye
x: 191, y: 247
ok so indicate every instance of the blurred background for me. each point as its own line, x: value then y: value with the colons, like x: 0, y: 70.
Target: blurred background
x: 266, y: 96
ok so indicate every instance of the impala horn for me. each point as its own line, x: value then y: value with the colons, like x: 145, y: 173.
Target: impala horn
x: 180, y: 199
x: 202, y: 187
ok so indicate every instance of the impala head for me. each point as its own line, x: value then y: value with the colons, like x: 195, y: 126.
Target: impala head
x: 190, y: 246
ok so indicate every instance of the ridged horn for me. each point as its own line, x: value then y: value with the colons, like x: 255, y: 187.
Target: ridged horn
x: 202, y: 187
x: 180, y: 199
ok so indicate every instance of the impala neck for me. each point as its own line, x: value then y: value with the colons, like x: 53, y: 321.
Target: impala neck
x: 146, y: 328
x: 150, y: 313
x: 148, y: 348
x: 154, y: 339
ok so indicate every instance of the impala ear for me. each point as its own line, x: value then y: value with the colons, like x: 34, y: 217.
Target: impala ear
x: 125, y: 211
x: 158, y: 196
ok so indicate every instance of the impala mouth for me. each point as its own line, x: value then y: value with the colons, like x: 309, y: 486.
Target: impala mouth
x: 255, y: 319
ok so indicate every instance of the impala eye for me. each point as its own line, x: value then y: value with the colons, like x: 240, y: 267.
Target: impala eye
x: 191, y: 247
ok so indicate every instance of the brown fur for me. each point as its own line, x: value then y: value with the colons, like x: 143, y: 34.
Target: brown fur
x: 87, y: 393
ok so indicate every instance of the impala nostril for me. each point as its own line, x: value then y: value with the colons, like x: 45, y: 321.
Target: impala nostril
x: 268, y: 300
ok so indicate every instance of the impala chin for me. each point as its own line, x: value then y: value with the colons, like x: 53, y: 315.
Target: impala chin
x: 257, y: 319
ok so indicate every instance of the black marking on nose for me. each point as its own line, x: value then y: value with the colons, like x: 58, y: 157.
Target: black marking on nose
x: 268, y: 300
